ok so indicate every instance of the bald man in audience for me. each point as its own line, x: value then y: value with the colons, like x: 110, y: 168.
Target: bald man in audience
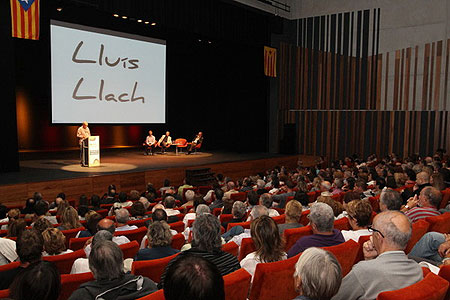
x: 386, y: 266
x: 422, y: 181
x: 108, y: 225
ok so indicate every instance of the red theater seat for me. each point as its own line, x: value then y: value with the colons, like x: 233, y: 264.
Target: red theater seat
x: 139, y: 223
x: 231, y: 247
x: 152, y: 269
x: 247, y: 247
x: 64, y: 262
x: 346, y: 254
x: 342, y: 224
x: 246, y: 225
x: 304, y: 218
x: 9, y: 266
x: 241, y: 196
x: 77, y: 243
x: 444, y: 272
x: 439, y: 223
x: 292, y: 235
x: 237, y: 284
x: 419, y: 228
x: 432, y: 287
x: 158, y: 295
x: 4, y: 294
x: 178, y: 241
x: 71, y: 282
x: 274, y: 280
x: 71, y: 233
x: 445, y: 198
x: 133, y: 235
x: 130, y: 249
x: 177, y: 226
x: 361, y: 241
x: 225, y: 218
x: 281, y: 219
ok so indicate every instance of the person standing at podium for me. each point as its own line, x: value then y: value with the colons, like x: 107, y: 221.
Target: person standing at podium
x: 83, y: 133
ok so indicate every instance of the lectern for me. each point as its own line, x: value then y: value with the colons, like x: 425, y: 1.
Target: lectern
x: 94, y: 151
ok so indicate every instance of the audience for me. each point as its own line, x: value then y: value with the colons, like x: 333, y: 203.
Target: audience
x: 321, y: 218
x: 193, y: 277
x: 239, y: 212
x: 386, y: 267
x: 70, y: 219
x: 54, y: 242
x: 106, y: 264
x: 266, y: 200
x: 268, y: 244
x: 108, y: 225
x: 359, y: 214
x: 91, y: 226
x: 122, y: 218
x: 159, y: 242
x: 317, y: 275
x: 41, y: 211
x: 390, y: 200
x: 424, y: 205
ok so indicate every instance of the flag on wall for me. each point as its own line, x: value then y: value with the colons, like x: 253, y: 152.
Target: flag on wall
x: 25, y: 19
x: 270, y: 61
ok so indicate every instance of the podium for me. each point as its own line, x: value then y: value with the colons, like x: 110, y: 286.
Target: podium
x: 93, y: 151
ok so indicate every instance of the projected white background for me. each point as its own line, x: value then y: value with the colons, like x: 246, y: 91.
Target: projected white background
x: 104, y: 78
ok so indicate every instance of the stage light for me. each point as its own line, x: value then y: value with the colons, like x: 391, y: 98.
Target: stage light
x: 153, y: 24
x: 200, y: 40
x: 116, y: 15
x: 59, y: 9
x: 124, y: 17
x: 146, y: 22
x: 209, y: 42
x: 139, y: 21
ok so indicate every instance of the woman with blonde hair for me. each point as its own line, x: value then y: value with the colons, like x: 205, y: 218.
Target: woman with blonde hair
x: 54, y: 242
x: 62, y: 207
x: 268, y: 244
x: 293, y: 213
x: 69, y: 219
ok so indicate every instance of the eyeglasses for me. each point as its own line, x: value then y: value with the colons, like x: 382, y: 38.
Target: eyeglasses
x: 371, y: 229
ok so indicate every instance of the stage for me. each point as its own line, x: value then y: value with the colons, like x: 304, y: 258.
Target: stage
x: 54, y: 172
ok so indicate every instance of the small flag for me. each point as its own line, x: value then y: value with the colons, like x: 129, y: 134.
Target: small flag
x: 270, y: 61
x: 25, y: 19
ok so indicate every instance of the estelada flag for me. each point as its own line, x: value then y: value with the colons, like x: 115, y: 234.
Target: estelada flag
x: 25, y: 19
x: 270, y: 61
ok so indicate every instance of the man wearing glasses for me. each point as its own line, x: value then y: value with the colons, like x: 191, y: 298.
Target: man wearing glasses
x: 386, y: 266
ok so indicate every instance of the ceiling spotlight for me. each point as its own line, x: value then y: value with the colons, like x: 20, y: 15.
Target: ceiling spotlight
x: 116, y: 15
x: 139, y: 21
x: 124, y: 17
x: 209, y: 42
x: 153, y: 24
x: 199, y: 40
x: 146, y: 22
x: 59, y: 9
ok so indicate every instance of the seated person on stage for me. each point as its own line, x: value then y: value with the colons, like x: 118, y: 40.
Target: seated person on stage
x: 197, y: 141
x: 165, y: 141
x: 150, y: 143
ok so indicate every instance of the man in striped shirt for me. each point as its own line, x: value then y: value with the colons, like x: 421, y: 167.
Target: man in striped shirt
x: 426, y: 205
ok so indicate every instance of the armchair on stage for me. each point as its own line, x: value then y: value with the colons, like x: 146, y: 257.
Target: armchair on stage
x: 91, y: 152
x: 180, y: 144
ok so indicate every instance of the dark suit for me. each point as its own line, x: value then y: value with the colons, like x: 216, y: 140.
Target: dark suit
x: 197, y: 141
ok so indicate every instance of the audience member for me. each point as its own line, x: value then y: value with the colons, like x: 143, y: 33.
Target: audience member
x: 159, y: 242
x: 193, y: 277
x: 54, y: 242
x: 91, y: 226
x: 106, y: 264
x: 266, y: 200
x: 293, y: 213
x: 424, y: 205
x: 268, y: 244
x: 40, y: 281
x: 108, y: 225
x: 390, y: 200
x: 70, y: 219
x: 122, y: 218
x: 321, y: 218
x: 359, y: 214
x: 41, y: 211
x: 238, y: 211
x: 386, y: 267
x: 317, y: 275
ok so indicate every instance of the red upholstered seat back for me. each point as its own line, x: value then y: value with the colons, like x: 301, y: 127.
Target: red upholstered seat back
x: 445, y: 198
x: 225, y: 218
x: 177, y: 241
x: 342, y: 224
x: 71, y: 282
x: 439, y: 223
x: 139, y: 223
x: 274, y: 280
x: 281, y: 219
x: 231, y: 247
x: 77, y: 243
x: 247, y: 246
x: 133, y: 235
x: 304, y: 218
x: 130, y: 249
x: 361, y: 241
x: 444, y: 272
x: 4, y: 293
x: 152, y: 269
x: 64, y: 262
x: 419, y: 228
x: 177, y: 226
x: 9, y: 266
x: 241, y: 196
x: 345, y: 254
x: 246, y: 225
x: 292, y: 235
x: 237, y: 284
x: 71, y: 233
x: 432, y: 287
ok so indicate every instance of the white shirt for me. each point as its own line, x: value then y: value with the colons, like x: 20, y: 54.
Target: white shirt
x: 83, y: 133
x: 355, y: 234
x: 273, y: 213
x: 172, y: 212
x: 81, y: 265
x: 238, y: 238
x: 150, y: 140
x: 187, y: 217
x: 126, y: 228
x: 251, y: 260
x: 8, y: 249
x: 208, y: 195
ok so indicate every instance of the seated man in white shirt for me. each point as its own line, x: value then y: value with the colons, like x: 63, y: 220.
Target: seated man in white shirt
x: 122, y: 218
x: 108, y: 225
x: 169, y: 204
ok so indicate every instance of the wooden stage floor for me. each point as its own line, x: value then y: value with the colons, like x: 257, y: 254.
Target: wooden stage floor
x: 52, y: 173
